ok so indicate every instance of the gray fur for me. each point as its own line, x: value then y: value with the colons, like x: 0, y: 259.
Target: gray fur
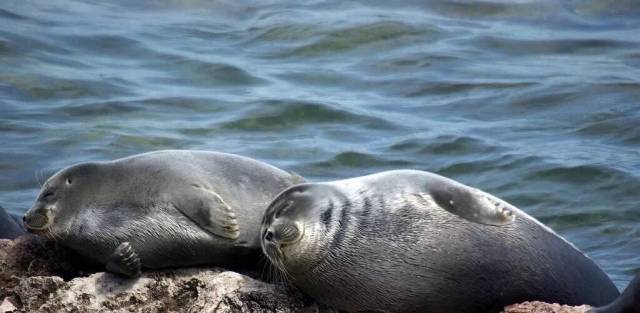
x: 393, y: 242
x: 166, y: 205
x: 9, y: 229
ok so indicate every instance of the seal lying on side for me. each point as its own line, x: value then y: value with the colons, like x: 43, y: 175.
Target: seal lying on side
x: 9, y: 229
x: 412, y: 241
x: 159, y: 209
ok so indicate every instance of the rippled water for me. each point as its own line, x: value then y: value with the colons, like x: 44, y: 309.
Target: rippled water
x: 537, y: 102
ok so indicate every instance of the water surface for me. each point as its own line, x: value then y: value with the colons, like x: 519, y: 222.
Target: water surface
x: 537, y: 102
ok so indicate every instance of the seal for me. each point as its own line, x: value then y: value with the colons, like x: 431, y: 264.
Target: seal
x: 160, y: 209
x: 628, y: 302
x: 413, y: 241
x: 9, y: 229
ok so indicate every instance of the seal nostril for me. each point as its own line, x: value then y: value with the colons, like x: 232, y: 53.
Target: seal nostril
x: 268, y: 236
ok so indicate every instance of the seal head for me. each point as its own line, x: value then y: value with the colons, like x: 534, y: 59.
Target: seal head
x: 294, y: 229
x: 60, y: 198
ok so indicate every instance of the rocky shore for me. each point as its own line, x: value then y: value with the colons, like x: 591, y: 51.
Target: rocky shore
x: 39, y: 276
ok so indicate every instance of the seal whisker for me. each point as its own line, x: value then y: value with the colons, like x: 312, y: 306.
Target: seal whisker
x: 266, y: 266
x: 287, y: 276
x: 50, y: 234
x: 67, y: 231
x: 273, y: 273
x: 276, y: 264
x: 35, y: 174
x: 56, y: 237
x: 280, y: 274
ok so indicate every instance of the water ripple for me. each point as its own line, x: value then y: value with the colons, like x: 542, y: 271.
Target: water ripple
x: 534, y: 101
x: 279, y: 114
x: 344, y: 40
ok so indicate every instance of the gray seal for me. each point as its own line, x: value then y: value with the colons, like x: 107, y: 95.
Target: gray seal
x: 413, y: 241
x: 160, y: 209
x: 9, y: 229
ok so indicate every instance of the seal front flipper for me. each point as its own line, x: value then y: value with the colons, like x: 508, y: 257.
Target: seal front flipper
x: 124, y: 260
x: 207, y: 209
x: 471, y: 204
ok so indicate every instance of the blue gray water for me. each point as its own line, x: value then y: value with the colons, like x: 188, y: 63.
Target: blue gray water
x: 537, y: 102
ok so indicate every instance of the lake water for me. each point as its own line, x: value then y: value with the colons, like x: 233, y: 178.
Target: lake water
x: 537, y: 102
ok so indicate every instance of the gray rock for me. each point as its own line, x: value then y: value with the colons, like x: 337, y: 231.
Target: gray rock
x: 542, y: 307
x: 37, y: 275
x: 32, y: 274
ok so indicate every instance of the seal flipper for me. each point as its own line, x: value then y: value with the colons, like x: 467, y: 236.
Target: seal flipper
x: 124, y: 260
x: 628, y: 302
x: 207, y: 209
x: 472, y: 204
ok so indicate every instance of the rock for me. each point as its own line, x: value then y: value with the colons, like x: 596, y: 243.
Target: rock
x: 183, y: 290
x: 37, y: 275
x: 32, y: 292
x: 542, y: 307
x: 7, y: 306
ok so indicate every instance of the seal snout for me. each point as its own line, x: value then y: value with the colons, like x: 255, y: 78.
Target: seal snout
x: 37, y: 220
x: 277, y: 236
x: 283, y: 233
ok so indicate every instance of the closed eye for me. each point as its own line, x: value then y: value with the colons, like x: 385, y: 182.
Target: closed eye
x: 282, y: 210
x: 47, y: 195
